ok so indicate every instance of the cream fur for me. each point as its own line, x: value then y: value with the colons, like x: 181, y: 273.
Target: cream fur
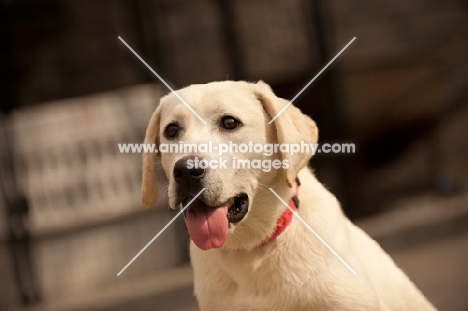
x: 294, y: 272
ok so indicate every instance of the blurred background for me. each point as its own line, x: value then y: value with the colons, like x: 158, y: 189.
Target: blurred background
x: 70, y: 211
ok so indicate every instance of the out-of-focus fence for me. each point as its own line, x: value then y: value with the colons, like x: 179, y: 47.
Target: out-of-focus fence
x: 80, y: 220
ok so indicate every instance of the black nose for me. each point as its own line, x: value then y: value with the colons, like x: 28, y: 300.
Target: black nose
x: 185, y: 170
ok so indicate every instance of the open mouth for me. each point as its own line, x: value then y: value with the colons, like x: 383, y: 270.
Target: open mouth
x: 208, y: 225
x: 239, y: 208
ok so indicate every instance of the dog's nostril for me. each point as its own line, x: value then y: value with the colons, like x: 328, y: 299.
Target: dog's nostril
x: 197, y: 172
x: 178, y: 173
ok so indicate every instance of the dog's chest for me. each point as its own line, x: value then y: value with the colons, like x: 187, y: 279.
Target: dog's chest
x: 264, y: 285
x: 266, y: 274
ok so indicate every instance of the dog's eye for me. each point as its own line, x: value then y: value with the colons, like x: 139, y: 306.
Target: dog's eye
x: 229, y: 123
x: 171, y: 131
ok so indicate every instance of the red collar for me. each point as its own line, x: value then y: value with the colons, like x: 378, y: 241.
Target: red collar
x: 285, y: 218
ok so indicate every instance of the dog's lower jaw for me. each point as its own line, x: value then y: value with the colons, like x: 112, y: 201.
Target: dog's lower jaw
x: 207, y: 225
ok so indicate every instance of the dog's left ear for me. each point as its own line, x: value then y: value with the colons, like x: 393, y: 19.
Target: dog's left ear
x: 149, y: 184
x: 292, y: 127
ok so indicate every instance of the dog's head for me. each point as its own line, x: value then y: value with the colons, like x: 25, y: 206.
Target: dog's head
x: 236, y: 113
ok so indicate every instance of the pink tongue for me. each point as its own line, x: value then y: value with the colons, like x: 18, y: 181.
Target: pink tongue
x: 207, y: 226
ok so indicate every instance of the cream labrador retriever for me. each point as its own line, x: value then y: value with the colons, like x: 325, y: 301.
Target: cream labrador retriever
x: 248, y: 250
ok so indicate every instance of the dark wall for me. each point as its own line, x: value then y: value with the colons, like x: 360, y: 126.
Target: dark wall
x: 399, y: 83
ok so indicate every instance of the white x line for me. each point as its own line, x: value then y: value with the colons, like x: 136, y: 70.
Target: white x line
x: 160, y: 232
x: 162, y: 80
x: 315, y: 233
x: 313, y: 79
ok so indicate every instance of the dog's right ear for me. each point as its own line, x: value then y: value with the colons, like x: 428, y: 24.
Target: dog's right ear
x: 149, y: 184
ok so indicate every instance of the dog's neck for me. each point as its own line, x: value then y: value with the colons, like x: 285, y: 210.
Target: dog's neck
x: 285, y: 218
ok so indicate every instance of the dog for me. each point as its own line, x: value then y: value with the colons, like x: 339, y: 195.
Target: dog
x: 249, y: 249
